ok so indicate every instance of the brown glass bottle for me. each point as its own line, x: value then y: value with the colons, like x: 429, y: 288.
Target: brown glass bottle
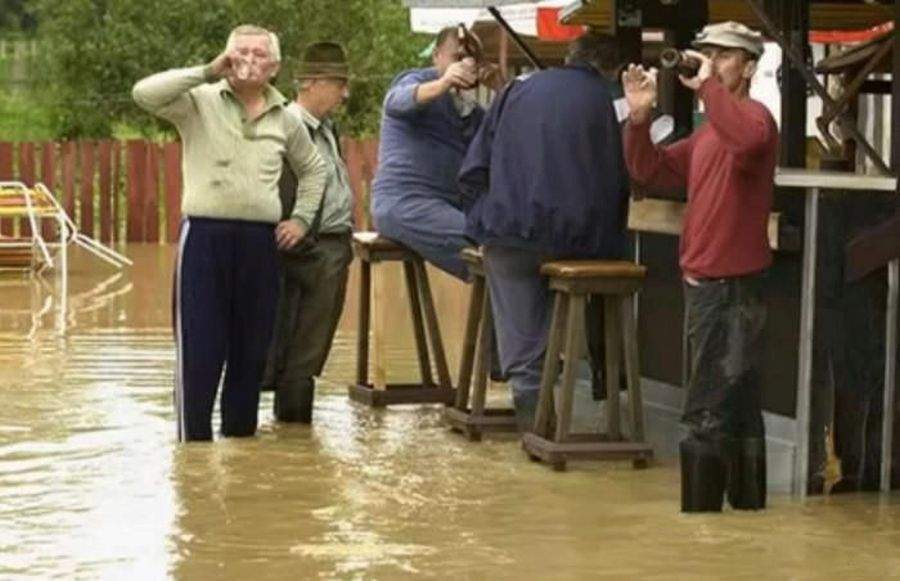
x: 672, y: 58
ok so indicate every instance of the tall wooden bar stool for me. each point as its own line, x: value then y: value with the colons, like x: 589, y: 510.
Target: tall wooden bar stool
x: 371, y: 248
x: 572, y: 282
x: 477, y: 342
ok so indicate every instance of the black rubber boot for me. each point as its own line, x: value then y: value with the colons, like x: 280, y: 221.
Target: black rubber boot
x: 295, y: 404
x: 525, y: 404
x: 702, y: 476
x: 747, y: 473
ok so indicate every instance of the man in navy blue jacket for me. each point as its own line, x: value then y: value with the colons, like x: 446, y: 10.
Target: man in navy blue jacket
x: 544, y: 178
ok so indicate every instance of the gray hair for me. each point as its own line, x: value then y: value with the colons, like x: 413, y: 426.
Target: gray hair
x: 253, y: 30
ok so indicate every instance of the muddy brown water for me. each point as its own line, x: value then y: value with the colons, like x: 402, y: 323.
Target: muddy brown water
x: 94, y: 485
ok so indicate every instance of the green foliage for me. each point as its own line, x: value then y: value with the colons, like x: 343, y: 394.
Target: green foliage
x: 97, y: 49
x: 24, y: 119
x: 16, y: 16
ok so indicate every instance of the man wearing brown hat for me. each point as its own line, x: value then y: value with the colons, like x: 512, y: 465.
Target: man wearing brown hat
x: 314, y: 273
x: 728, y: 168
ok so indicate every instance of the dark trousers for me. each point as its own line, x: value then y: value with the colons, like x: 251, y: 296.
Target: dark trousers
x: 725, y: 322
x: 313, y: 287
x: 224, y: 307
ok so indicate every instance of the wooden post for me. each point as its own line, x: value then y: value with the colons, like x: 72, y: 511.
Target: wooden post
x: 431, y: 322
x: 116, y: 189
x: 6, y: 174
x: 173, y: 185
x: 612, y: 315
x: 378, y: 378
x: 370, y: 165
x: 87, y: 187
x: 572, y: 351
x: 27, y: 163
x: 151, y: 193
x: 104, y: 153
x: 26, y: 175
x: 136, y: 163
x: 551, y: 365
x: 48, y: 177
x: 415, y: 311
x: 69, y: 154
x: 792, y: 17
x: 483, y: 349
x: 895, y: 93
x: 632, y: 369
x: 470, y: 342
x: 354, y: 160
x: 364, y: 322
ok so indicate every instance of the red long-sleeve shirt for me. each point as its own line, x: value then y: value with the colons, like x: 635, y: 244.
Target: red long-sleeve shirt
x: 728, y: 166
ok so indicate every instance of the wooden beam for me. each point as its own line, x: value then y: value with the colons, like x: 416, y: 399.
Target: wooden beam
x: 822, y: 16
x: 667, y: 217
x: 792, y: 18
x: 895, y: 98
x: 798, y: 61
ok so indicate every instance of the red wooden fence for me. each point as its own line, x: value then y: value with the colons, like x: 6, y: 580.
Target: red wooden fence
x: 131, y: 191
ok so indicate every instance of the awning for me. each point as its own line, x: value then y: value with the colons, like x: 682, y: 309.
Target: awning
x: 463, y: 3
x: 534, y: 19
x: 823, y: 15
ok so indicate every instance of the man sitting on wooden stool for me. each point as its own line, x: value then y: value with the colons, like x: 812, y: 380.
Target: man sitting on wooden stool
x: 430, y: 116
x: 728, y: 167
x: 314, y: 273
x: 544, y: 178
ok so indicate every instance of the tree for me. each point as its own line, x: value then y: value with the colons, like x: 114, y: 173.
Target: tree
x: 16, y: 16
x: 97, y: 49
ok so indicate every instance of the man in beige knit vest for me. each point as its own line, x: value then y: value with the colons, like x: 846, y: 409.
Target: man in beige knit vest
x: 235, y: 132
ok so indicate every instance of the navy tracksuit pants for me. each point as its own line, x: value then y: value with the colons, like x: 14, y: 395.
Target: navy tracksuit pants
x: 226, y: 289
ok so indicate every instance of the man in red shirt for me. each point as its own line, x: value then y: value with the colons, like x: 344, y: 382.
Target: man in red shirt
x: 728, y: 167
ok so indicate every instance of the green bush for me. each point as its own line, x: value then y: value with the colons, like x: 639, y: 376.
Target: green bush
x: 97, y: 49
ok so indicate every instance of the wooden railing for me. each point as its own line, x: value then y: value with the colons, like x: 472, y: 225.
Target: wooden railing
x: 130, y: 191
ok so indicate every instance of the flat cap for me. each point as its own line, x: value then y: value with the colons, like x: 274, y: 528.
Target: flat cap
x: 731, y: 35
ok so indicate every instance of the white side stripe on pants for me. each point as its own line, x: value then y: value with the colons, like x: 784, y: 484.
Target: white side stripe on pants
x: 179, y: 345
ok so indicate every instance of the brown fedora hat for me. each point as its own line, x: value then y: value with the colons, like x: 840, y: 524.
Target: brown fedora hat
x: 323, y: 60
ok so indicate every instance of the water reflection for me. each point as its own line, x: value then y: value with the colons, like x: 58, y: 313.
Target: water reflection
x: 93, y: 485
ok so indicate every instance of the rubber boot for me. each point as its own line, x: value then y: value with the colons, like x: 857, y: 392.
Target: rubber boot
x: 294, y: 404
x: 525, y: 404
x: 702, y: 476
x: 747, y: 473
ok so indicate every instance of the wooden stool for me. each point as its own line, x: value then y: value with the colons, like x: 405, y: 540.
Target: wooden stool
x: 477, y: 347
x: 572, y: 282
x: 371, y: 248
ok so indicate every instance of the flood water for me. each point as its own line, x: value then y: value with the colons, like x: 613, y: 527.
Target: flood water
x: 94, y: 485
